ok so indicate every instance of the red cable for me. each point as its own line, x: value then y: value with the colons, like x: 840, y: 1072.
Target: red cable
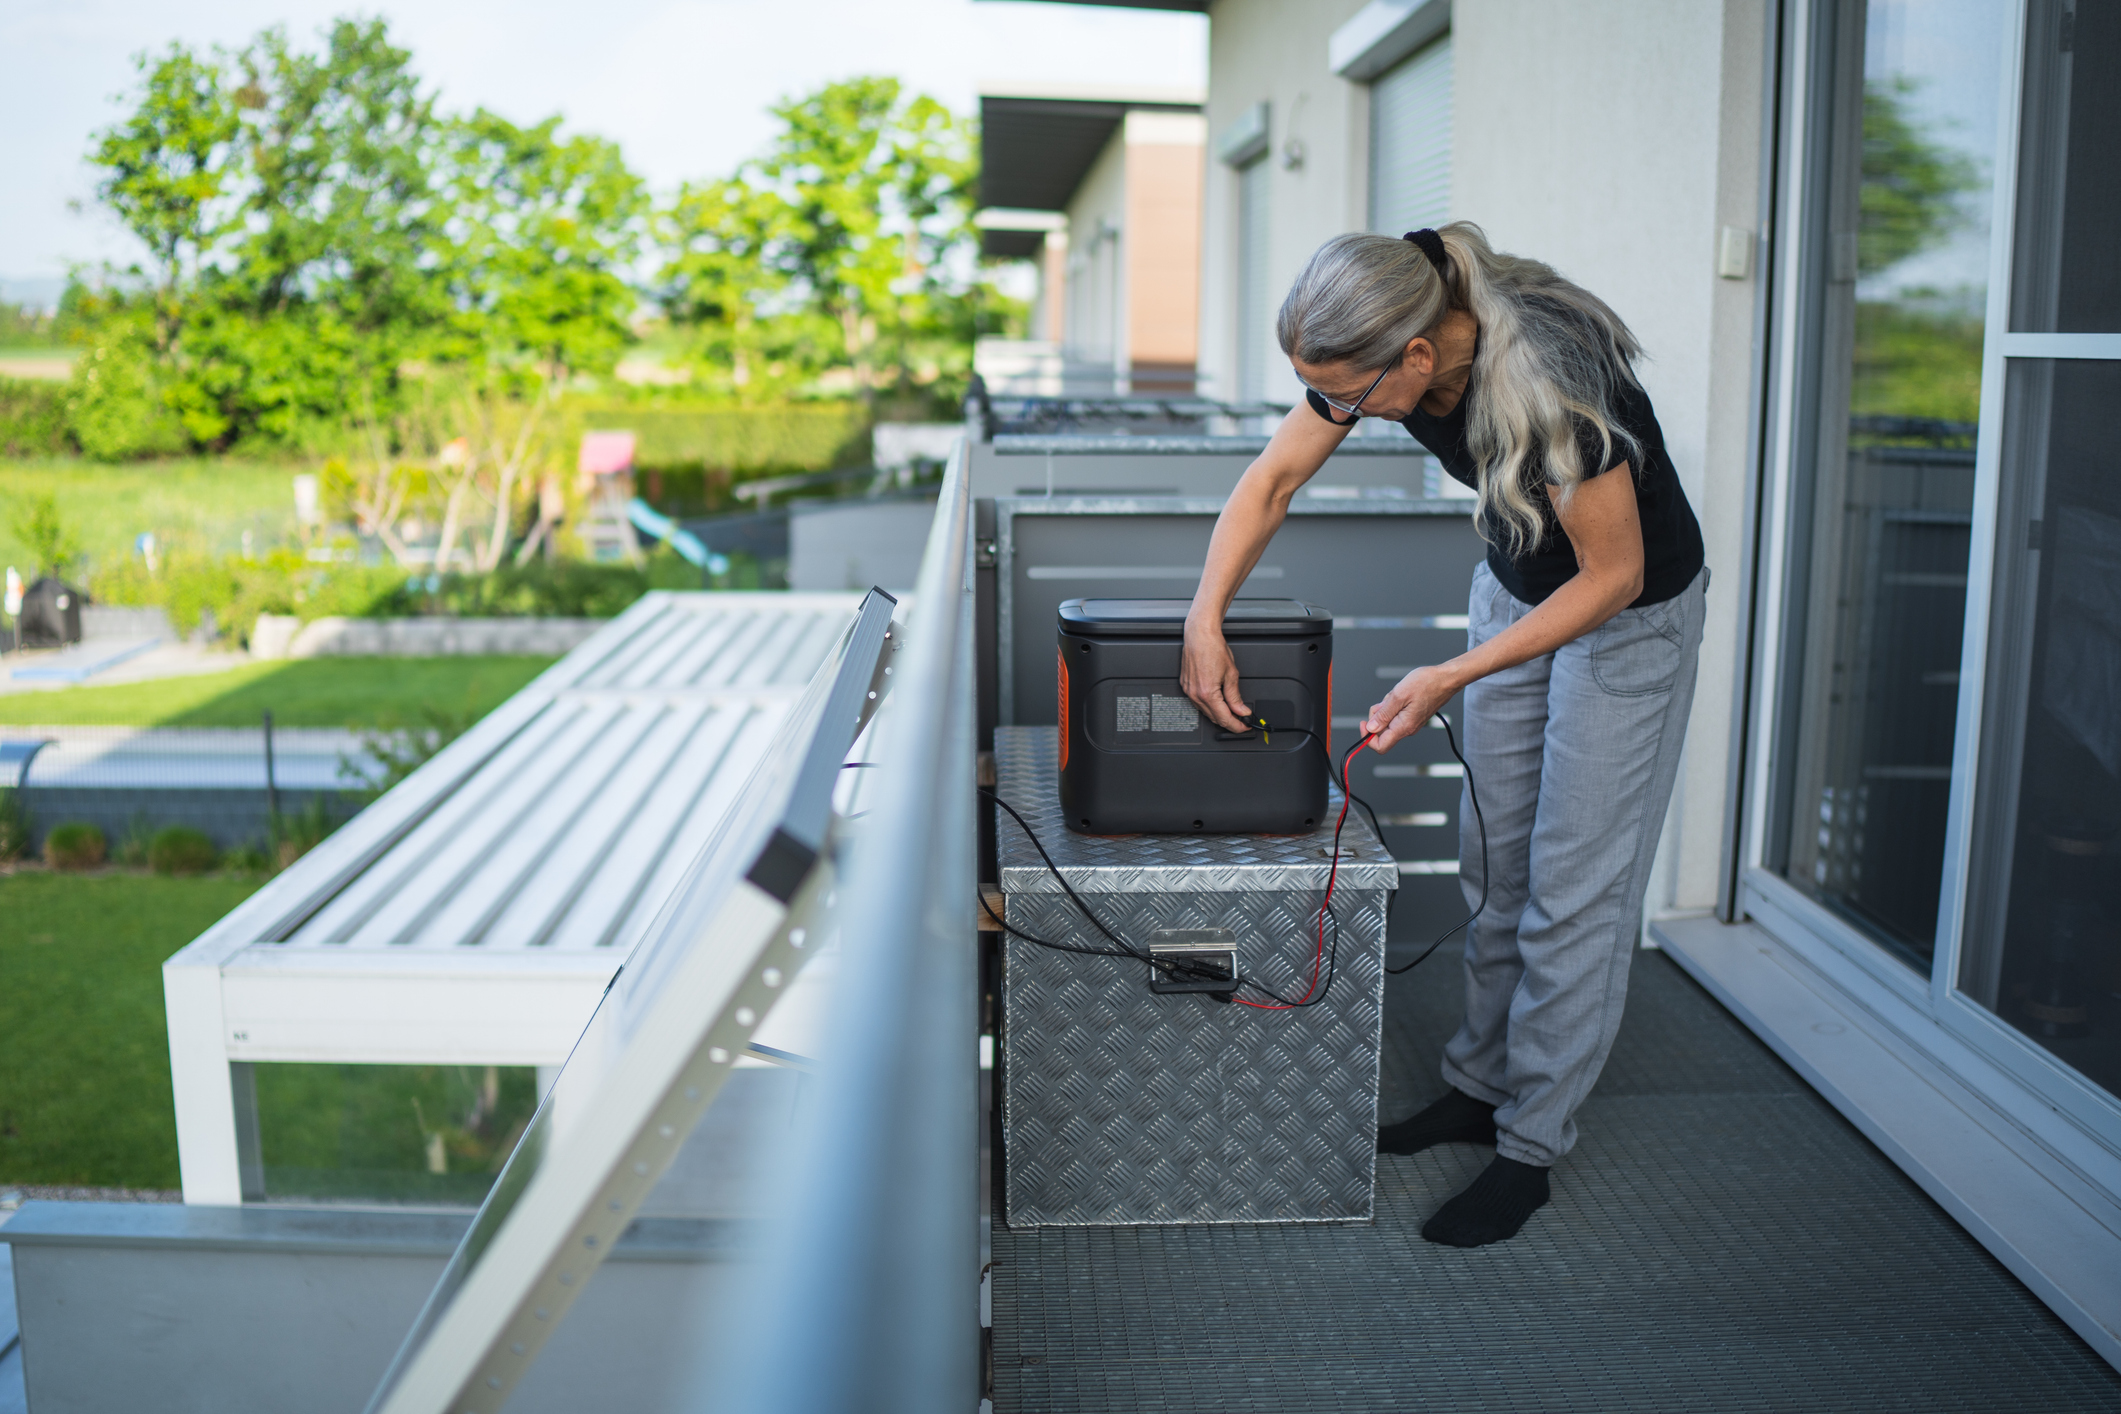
x: 1318, y: 958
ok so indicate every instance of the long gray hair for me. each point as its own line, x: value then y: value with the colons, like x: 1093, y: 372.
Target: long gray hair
x: 1548, y: 349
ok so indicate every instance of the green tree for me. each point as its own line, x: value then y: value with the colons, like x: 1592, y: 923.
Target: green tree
x: 544, y: 230
x: 846, y: 250
x: 286, y: 201
x: 718, y: 284
x: 1911, y: 188
x: 53, y: 546
x: 169, y: 167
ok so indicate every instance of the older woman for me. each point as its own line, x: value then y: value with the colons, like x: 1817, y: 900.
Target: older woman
x: 1586, y: 622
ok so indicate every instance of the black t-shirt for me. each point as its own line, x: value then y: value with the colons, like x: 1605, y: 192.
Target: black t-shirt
x: 1671, y: 538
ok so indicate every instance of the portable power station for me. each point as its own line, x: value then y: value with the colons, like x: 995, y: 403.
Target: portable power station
x: 1136, y: 756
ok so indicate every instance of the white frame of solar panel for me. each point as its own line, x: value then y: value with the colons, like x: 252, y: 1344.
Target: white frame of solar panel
x: 257, y: 987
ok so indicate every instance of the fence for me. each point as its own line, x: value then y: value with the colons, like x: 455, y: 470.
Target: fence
x: 240, y: 786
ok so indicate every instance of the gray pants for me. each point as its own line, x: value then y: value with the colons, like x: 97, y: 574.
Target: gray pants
x: 1574, y: 755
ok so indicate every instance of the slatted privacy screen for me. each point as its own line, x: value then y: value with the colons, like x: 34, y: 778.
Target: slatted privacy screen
x: 1410, y: 142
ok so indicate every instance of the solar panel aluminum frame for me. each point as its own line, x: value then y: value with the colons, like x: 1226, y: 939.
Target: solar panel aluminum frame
x: 652, y: 1059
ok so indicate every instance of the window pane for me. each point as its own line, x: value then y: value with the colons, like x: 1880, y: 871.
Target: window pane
x: 1885, y: 460
x: 2067, y: 280
x: 432, y: 1135
x: 2043, y: 933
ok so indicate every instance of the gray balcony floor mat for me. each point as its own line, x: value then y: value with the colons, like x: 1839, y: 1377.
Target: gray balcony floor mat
x: 1720, y: 1239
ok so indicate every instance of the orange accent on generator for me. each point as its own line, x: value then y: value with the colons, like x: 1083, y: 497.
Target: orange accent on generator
x: 1063, y: 656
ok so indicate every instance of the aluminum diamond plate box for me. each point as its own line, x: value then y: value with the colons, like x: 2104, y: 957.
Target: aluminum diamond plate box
x: 1121, y: 1105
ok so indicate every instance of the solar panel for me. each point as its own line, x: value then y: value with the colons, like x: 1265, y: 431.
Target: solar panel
x: 655, y: 1053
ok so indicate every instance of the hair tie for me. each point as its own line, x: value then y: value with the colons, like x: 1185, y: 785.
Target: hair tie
x: 1431, y: 245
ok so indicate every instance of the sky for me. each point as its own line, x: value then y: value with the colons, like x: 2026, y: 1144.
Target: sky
x: 681, y: 85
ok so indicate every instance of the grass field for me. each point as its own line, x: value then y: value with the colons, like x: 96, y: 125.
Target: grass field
x: 306, y: 692
x: 205, y: 504
x: 84, y: 1054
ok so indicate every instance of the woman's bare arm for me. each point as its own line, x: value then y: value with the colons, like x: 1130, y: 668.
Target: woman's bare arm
x: 1605, y: 528
x: 1255, y: 510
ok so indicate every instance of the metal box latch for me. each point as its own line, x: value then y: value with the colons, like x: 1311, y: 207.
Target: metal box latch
x: 1200, y: 960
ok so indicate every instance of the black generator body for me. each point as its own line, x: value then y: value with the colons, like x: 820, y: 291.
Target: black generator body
x: 1137, y: 757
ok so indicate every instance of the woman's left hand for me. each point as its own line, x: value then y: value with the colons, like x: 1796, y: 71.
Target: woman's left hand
x: 1407, y: 708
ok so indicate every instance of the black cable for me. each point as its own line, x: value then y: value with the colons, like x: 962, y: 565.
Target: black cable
x: 1170, y: 966
x: 1331, y: 966
x: 1391, y: 895
x: 1173, y: 967
x: 1177, y: 968
x: 1472, y: 793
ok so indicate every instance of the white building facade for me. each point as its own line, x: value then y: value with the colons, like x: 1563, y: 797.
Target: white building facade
x: 1102, y: 192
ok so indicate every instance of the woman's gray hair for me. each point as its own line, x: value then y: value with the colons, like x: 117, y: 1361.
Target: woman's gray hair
x: 1550, y: 353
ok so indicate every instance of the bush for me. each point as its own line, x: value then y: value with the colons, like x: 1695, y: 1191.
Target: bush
x: 750, y: 441
x: 282, y: 582
x: 132, y: 845
x: 236, y: 590
x: 75, y: 845
x: 247, y: 859
x: 180, y: 849
x: 114, y: 408
x: 14, y: 825
x: 298, y: 833
x: 33, y: 419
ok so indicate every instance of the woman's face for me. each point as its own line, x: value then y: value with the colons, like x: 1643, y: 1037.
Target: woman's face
x: 1404, y: 384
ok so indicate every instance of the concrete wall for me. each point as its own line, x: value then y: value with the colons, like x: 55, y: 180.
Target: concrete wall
x: 1275, y: 50
x: 858, y: 544
x: 137, y: 1306
x: 282, y: 636
x: 1612, y: 140
x: 1095, y: 332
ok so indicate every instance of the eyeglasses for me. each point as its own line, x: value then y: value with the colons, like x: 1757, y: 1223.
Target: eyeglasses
x: 1354, y: 409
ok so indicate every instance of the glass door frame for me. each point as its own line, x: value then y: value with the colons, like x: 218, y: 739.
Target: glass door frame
x: 1793, y: 339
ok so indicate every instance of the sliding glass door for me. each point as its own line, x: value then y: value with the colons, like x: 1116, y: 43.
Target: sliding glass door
x: 1943, y: 705
x: 1900, y: 165
x: 2042, y: 941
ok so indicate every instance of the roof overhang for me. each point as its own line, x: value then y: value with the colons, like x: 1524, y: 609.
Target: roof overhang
x: 1035, y: 149
x: 1014, y: 234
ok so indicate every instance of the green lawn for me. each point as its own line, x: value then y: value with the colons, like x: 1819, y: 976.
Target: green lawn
x: 304, y: 692
x: 203, y: 503
x: 84, y: 1055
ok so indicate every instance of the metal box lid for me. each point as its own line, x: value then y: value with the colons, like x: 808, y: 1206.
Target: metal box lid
x: 1166, y: 618
x: 1027, y: 770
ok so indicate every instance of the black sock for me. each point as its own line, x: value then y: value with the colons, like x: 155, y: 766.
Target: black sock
x: 1457, y: 1118
x: 1493, y: 1207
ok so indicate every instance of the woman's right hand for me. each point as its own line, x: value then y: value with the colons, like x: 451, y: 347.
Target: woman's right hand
x: 1207, y: 673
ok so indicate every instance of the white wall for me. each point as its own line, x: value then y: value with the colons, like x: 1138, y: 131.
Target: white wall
x: 1276, y: 50
x: 1096, y: 272
x: 1612, y: 140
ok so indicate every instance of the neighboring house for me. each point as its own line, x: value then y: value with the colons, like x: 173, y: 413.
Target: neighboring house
x: 1868, y: 249
x: 1103, y: 192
